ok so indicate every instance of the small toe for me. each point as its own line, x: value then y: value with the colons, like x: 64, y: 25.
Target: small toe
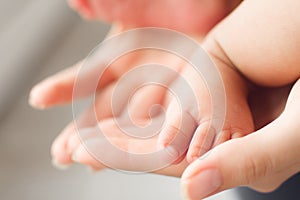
x: 202, y: 141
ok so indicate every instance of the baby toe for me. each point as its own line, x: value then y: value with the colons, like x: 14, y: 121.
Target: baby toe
x: 202, y: 141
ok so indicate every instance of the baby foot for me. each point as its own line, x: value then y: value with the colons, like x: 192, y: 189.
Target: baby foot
x: 214, y: 120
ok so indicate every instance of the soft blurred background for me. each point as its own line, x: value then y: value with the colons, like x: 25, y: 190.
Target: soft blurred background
x: 37, y: 39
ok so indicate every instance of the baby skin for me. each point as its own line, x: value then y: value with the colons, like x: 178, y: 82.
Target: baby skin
x: 260, y: 61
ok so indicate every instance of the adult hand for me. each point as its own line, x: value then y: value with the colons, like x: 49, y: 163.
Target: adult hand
x: 266, y: 158
x: 262, y: 160
x: 194, y: 168
x: 58, y: 89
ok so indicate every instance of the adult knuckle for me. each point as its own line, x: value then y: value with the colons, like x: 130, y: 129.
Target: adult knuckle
x: 258, y: 167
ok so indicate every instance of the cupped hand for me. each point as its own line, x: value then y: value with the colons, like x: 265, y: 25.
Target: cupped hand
x: 58, y: 89
x: 178, y: 76
x: 265, y: 159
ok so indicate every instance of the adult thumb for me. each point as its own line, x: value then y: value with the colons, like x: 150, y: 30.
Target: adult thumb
x: 262, y: 160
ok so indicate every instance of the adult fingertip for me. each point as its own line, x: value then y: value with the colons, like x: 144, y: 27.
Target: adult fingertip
x: 72, y: 143
x: 81, y: 155
x: 59, y: 153
x: 202, y: 184
x: 60, y: 160
x: 35, y: 99
x: 56, y: 164
x: 46, y: 94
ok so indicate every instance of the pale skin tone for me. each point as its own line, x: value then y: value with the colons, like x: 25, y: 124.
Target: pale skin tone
x: 248, y: 50
x: 193, y: 17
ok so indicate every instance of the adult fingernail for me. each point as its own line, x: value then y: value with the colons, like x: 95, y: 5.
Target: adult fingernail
x: 202, y: 184
x: 59, y: 166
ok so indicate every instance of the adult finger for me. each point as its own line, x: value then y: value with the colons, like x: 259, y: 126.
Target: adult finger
x: 92, y: 74
x: 60, y: 149
x: 262, y: 160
